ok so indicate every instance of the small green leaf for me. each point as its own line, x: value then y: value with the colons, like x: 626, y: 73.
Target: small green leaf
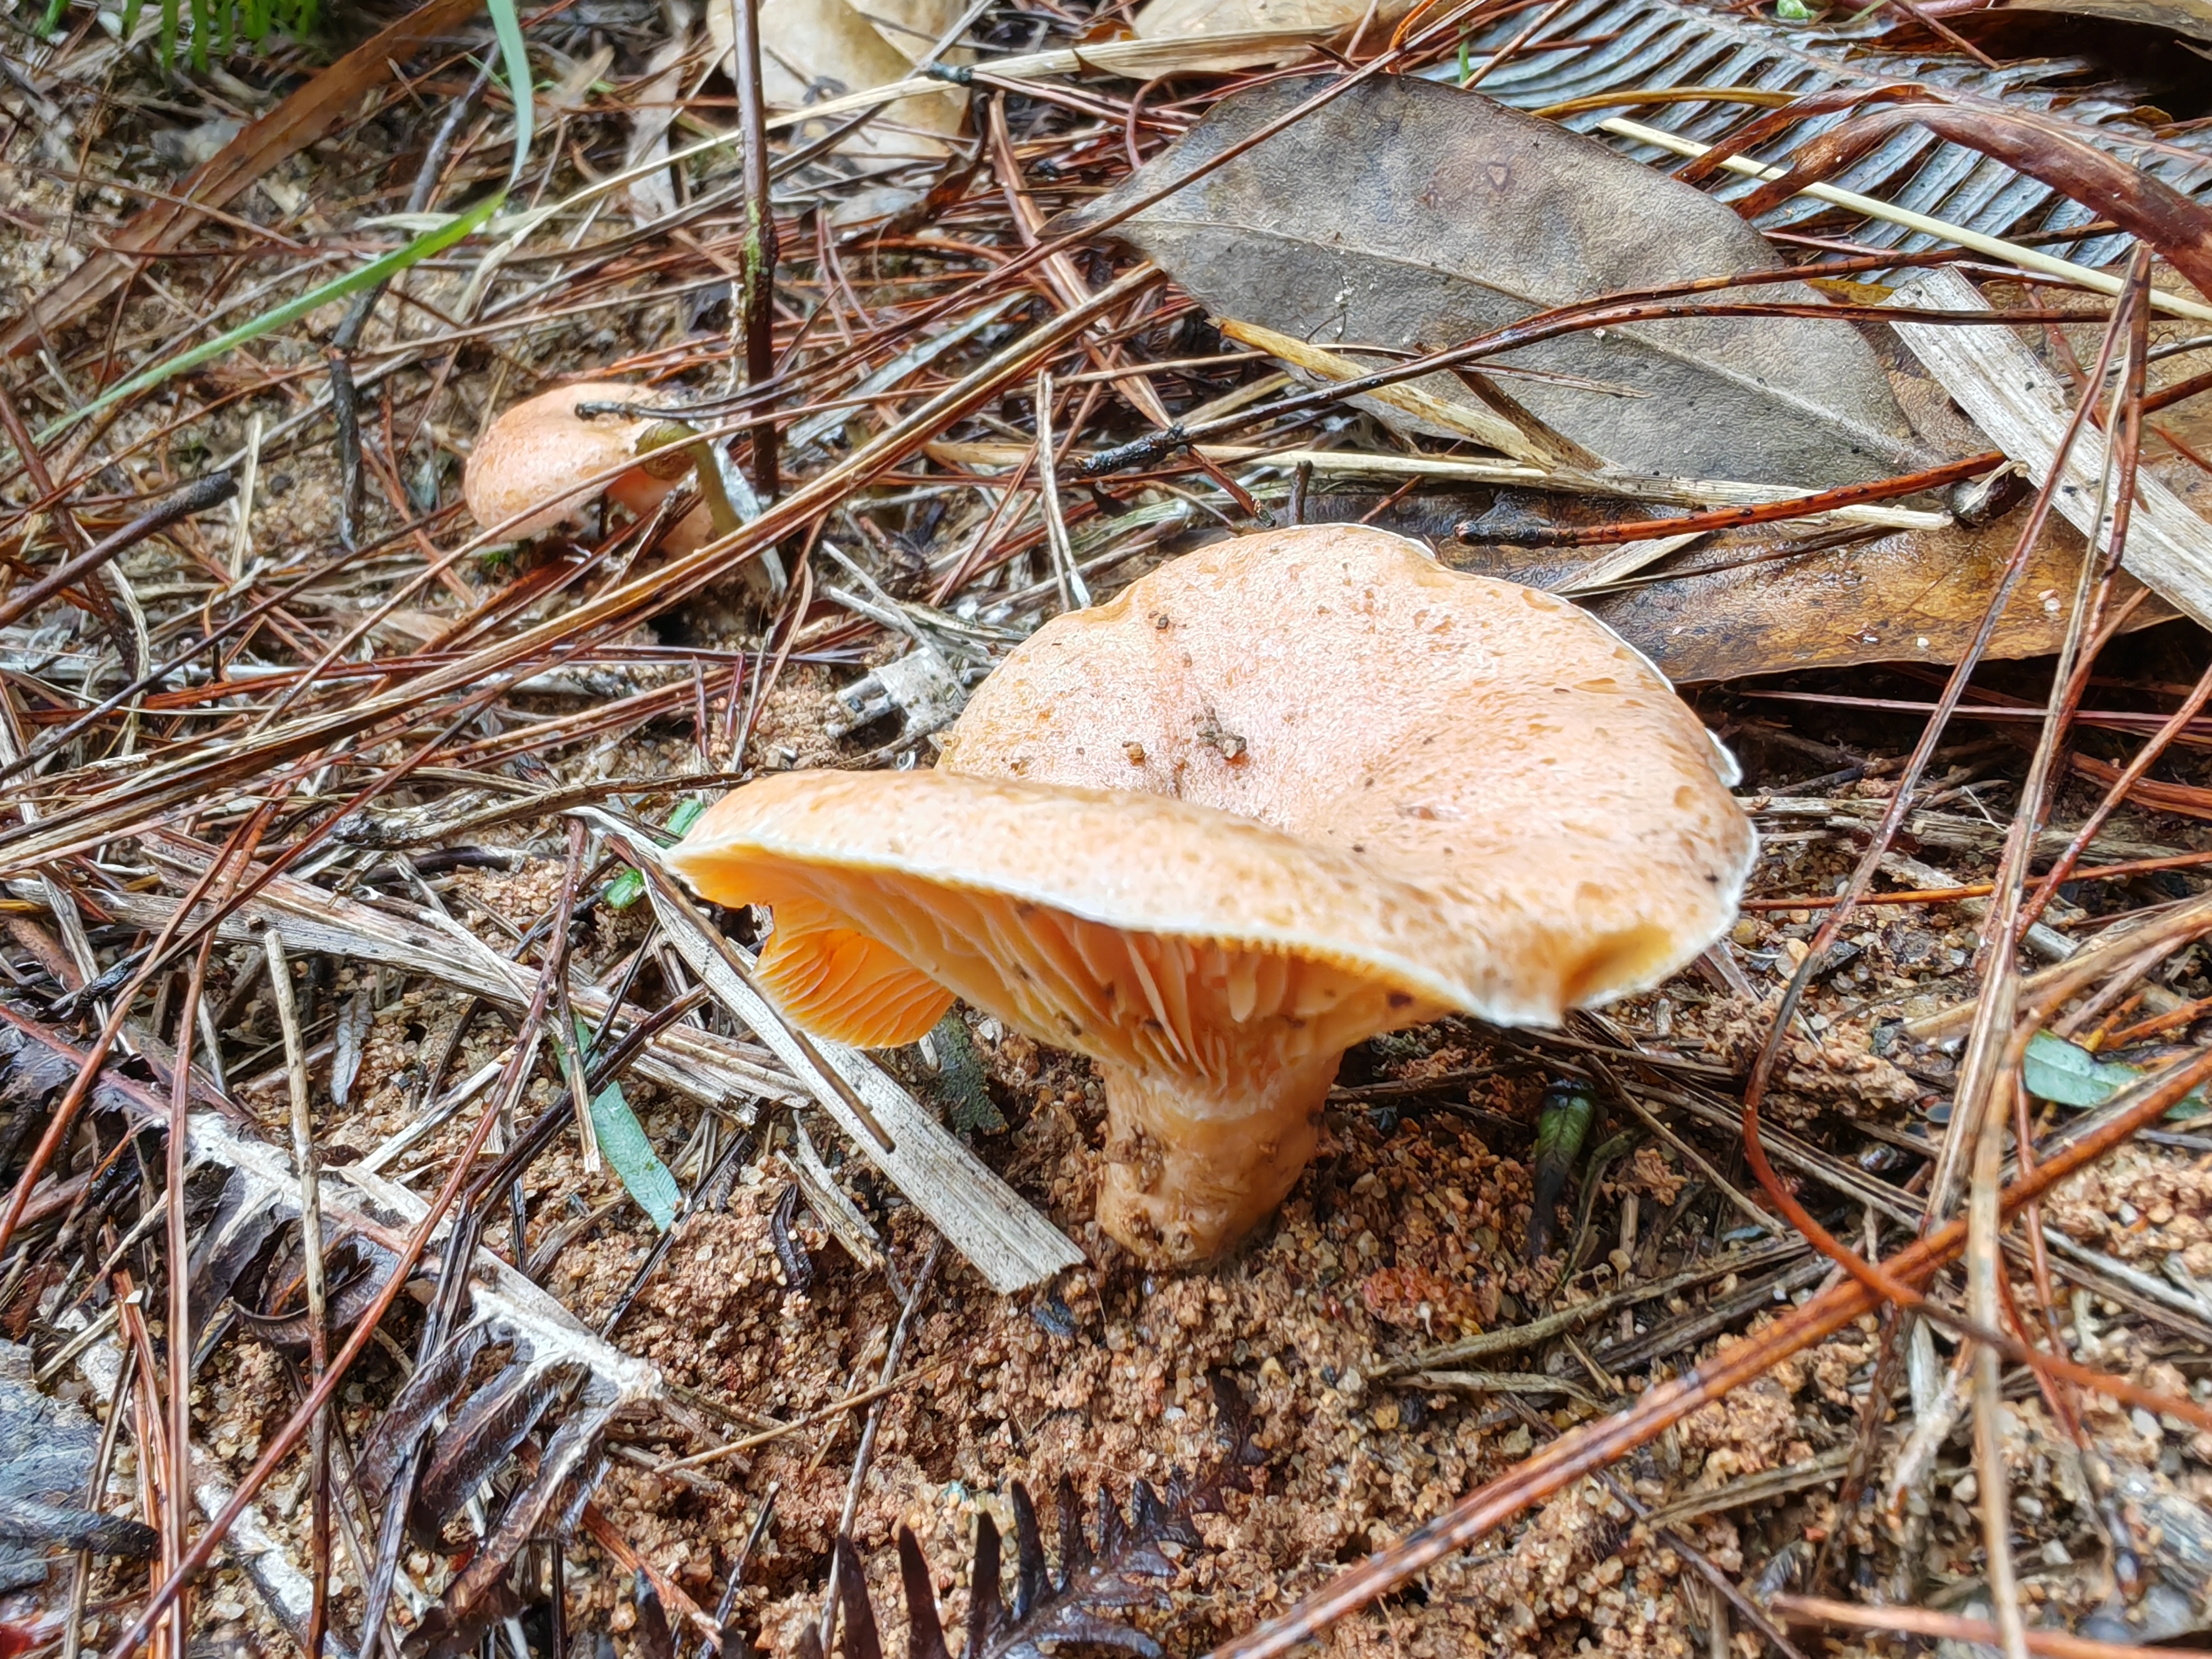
x: 2068, y: 1074
x: 1792, y: 11
x: 622, y: 1143
x: 626, y: 889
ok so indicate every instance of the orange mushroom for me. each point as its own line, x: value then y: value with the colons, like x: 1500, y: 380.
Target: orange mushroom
x: 537, y: 453
x: 1280, y: 795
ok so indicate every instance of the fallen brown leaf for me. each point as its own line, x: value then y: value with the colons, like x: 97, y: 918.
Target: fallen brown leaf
x: 1404, y: 214
x: 1728, y: 608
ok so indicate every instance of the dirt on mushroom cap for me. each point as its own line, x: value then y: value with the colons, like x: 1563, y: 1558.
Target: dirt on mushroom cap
x: 1492, y: 742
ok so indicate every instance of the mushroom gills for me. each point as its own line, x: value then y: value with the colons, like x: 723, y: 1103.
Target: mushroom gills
x: 886, y: 955
x: 1217, y: 1058
x: 838, y: 983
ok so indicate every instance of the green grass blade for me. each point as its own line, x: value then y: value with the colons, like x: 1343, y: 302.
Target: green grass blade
x: 514, y: 59
x: 626, y: 889
x: 430, y: 242
x: 622, y: 1143
x: 169, y: 48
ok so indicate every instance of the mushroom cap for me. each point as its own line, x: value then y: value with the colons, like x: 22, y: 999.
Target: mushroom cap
x: 541, y: 449
x: 1495, y: 744
x: 1281, y: 794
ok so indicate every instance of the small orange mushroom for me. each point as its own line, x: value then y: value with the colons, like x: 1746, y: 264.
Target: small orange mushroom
x: 1280, y: 796
x: 537, y: 453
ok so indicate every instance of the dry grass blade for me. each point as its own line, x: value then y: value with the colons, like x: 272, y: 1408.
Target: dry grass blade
x: 987, y: 1221
x: 697, y: 1062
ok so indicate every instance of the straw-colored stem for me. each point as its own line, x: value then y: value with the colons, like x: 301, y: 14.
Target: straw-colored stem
x: 1189, y: 1174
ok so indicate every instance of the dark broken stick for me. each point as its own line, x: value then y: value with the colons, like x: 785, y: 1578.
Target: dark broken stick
x: 196, y: 496
x: 344, y: 401
x: 756, y: 312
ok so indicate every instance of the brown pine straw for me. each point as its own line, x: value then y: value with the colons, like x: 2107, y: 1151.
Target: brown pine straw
x: 1976, y: 889
x: 1734, y: 518
x: 1593, y: 1445
x: 1922, y: 1621
x: 1988, y: 1069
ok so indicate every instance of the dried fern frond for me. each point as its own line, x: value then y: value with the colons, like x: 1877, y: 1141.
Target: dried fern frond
x: 1123, y: 1567
x: 1673, y: 44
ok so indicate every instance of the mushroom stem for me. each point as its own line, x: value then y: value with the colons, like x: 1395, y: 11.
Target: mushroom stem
x: 1188, y: 1175
x: 712, y: 490
x: 673, y: 449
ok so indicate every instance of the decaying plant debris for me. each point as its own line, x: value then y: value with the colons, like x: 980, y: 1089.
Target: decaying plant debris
x: 520, y: 1279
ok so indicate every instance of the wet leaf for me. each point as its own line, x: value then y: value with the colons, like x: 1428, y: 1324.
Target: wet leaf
x: 63, y: 1526
x: 2190, y: 17
x: 47, y: 1450
x: 357, y: 1268
x: 1405, y: 213
x: 482, y: 1594
x: 1733, y: 608
x: 2068, y: 1074
x: 426, y: 1395
x: 1777, y: 599
x: 481, y: 1437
